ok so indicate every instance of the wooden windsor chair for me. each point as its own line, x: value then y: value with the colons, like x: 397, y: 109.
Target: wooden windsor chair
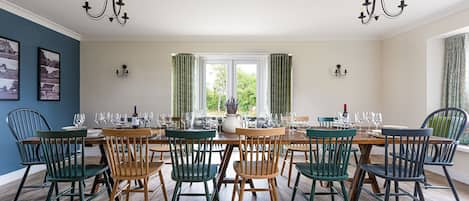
x: 127, y: 152
x: 259, y: 155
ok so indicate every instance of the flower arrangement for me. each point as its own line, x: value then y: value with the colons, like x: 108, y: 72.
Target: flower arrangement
x: 231, y: 106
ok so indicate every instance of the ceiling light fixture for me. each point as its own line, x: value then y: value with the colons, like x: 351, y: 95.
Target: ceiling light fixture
x: 116, y: 9
x: 370, y: 14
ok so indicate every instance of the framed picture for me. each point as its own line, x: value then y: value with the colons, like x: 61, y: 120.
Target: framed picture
x: 9, y: 69
x: 49, y: 75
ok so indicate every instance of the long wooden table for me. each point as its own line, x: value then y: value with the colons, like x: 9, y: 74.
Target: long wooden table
x: 364, y: 140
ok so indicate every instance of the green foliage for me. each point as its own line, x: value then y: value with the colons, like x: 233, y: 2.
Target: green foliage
x: 246, y: 92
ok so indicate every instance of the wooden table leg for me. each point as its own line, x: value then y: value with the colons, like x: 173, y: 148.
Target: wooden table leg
x: 364, y: 159
x: 224, y: 164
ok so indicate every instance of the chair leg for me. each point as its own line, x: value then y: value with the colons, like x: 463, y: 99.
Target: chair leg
x: 81, y: 189
x: 396, y: 190
x: 145, y: 189
x: 251, y: 185
x: 344, y: 190
x: 215, y: 190
x: 152, y: 155
x: 161, y: 156
x: 388, y: 190
x: 355, y: 156
x: 241, y: 189
x: 107, y: 183
x: 419, y: 191
x: 22, y: 182
x: 313, y: 191
x: 274, y: 190
x: 127, y: 191
x: 51, y: 189
x: 295, y: 187
x: 331, y: 190
x: 72, y: 192
x: 360, y: 185
x: 235, y: 188
x: 291, y: 168
x: 163, y: 186
x: 284, y: 161
x: 271, y: 192
x: 57, y: 191
x: 114, y: 190
x: 176, y: 191
x: 207, y: 192
x: 451, y: 184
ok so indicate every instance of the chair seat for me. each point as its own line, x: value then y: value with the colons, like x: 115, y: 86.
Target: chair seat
x: 160, y: 148
x: 194, y: 173
x: 135, y: 170
x: 74, y: 173
x: 259, y: 170
x: 380, y: 171
x: 305, y: 170
x: 299, y: 147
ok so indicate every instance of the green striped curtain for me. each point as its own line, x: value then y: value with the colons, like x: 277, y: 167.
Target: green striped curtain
x: 454, y: 78
x: 280, y: 83
x: 183, y: 80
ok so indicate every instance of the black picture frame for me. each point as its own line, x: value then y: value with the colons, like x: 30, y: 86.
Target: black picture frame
x: 9, y: 78
x: 49, y: 75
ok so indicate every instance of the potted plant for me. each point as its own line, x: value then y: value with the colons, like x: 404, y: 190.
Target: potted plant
x: 232, y: 120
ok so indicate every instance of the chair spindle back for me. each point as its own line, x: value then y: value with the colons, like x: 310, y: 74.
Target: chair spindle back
x: 407, y: 149
x: 191, y: 164
x: 61, y: 156
x: 260, y: 150
x: 128, y: 152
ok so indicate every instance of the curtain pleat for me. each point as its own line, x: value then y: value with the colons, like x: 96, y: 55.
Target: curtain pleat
x: 183, y: 78
x: 280, y: 83
x: 454, y: 75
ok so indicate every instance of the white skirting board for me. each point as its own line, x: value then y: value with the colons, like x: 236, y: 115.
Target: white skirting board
x: 18, y: 174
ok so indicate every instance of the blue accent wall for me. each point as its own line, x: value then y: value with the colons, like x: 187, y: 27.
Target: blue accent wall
x: 58, y: 113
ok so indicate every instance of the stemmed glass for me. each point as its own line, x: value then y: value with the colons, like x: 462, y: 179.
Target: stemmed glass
x: 100, y: 119
x: 357, y: 120
x: 378, y: 120
x: 79, y: 120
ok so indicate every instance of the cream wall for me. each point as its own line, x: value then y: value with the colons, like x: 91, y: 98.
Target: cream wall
x: 315, y: 91
x: 405, y: 65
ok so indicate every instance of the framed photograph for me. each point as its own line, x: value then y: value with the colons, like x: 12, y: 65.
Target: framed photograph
x: 9, y: 69
x: 49, y: 75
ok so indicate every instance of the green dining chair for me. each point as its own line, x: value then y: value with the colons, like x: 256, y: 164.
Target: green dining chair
x: 66, y: 164
x: 334, y: 148
x: 327, y: 122
x: 192, y: 165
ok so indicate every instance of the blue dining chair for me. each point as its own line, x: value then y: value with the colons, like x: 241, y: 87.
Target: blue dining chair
x: 405, y: 151
x: 447, y: 123
x: 23, y: 124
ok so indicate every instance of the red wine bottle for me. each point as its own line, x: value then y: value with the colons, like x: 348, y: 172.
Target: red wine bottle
x: 345, y: 113
x: 135, y: 120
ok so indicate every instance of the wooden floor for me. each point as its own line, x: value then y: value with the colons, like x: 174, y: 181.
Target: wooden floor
x: 8, y: 191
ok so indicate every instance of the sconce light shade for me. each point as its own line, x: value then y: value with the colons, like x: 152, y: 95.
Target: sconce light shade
x: 339, y: 71
x: 123, y: 71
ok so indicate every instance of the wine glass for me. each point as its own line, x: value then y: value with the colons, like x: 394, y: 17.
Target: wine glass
x: 357, y: 120
x: 97, y: 118
x: 378, y: 120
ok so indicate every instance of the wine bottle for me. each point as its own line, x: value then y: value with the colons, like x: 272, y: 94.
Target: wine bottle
x: 345, y: 113
x: 135, y: 121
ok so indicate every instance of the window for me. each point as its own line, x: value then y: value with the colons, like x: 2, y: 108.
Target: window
x: 223, y: 76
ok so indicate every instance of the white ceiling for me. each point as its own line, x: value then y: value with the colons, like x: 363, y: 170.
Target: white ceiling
x: 263, y: 20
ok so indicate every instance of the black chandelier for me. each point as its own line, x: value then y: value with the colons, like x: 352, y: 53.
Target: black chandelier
x: 116, y: 9
x: 370, y: 14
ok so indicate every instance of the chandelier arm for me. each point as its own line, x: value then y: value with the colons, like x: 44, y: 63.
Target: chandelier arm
x: 116, y: 12
x: 370, y: 14
x: 388, y: 13
x: 368, y: 10
x: 99, y: 15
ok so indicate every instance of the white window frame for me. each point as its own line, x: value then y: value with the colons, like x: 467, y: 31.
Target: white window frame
x: 231, y: 60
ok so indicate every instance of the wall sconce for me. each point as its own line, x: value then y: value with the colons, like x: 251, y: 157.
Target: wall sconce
x: 122, y: 72
x: 339, y: 71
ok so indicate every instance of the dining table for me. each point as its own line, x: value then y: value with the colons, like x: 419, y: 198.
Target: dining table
x: 365, y: 140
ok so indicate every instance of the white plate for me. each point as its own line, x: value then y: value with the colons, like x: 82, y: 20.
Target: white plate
x: 73, y: 128
x: 395, y: 126
x: 94, y: 132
